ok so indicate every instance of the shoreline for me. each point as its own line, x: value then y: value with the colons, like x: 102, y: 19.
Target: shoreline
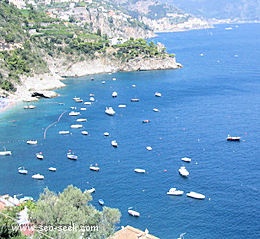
x: 47, y: 83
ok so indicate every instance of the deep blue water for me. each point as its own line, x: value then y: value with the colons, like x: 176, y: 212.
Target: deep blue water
x: 216, y: 93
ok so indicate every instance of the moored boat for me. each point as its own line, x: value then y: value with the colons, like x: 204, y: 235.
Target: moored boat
x: 5, y: 152
x: 135, y: 100
x: 110, y: 111
x: 139, y: 170
x: 183, y: 171
x: 84, y: 132
x: 91, y: 190
x: 146, y: 121
x: 186, y: 159
x: 76, y: 126
x: 94, y: 168
x: 71, y: 156
x: 106, y: 134
x: 233, y: 138
x: 74, y: 113
x: 195, y: 195
x: 157, y: 94
x: 175, y: 192
x: 52, y: 169
x: 38, y: 176
x: 22, y: 170
x: 133, y: 213
x: 114, y: 94
x: 32, y: 142
x: 114, y: 143
x: 64, y: 132
x: 101, y: 202
x: 149, y: 148
x: 39, y: 155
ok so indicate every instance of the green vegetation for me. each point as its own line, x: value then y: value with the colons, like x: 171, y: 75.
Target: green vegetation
x: 71, y: 208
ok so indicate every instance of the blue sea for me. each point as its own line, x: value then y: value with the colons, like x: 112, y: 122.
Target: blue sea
x: 216, y: 93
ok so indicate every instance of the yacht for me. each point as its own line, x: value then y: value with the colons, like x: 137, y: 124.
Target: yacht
x: 5, y: 152
x: 52, y: 169
x: 175, y: 192
x: 195, y: 195
x: 106, y: 134
x: 156, y: 110
x: 74, y: 113
x: 186, y: 159
x: 84, y: 132
x: 38, y: 176
x: 81, y: 120
x: 133, y: 213
x: 39, y: 155
x: 183, y: 171
x: 91, y: 190
x: 110, y: 111
x: 94, y: 168
x: 72, y: 156
x: 64, y: 132
x: 233, y: 138
x: 114, y: 143
x: 157, y: 94
x: 114, y: 94
x: 76, y: 126
x: 139, y: 170
x: 31, y: 142
x: 135, y: 100
x: 101, y: 202
x: 22, y: 170
x: 149, y: 148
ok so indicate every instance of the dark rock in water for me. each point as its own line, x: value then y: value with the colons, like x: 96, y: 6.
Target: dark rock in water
x: 40, y: 95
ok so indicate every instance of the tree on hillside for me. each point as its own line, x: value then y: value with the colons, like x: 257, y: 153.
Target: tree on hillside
x: 69, y: 215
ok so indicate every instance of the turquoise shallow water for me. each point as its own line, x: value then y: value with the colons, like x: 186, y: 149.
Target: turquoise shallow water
x: 215, y: 94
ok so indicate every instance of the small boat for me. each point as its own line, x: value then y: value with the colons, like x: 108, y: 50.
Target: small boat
x: 106, y: 134
x: 133, y: 213
x: 91, y: 190
x: 113, y: 78
x: 195, y: 195
x: 103, y: 82
x: 5, y: 152
x: 114, y: 94
x: 84, y: 132
x: 146, y: 121
x: 64, y: 132
x: 175, y: 192
x: 157, y: 94
x: 121, y: 106
x: 139, y: 170
x: 83, y: 108
x: 22, y: 170
x: 38, y: 176
x: 76, y: 126
x: 81, y: 120
x: 92, y: 99
x: 156, y: 110
x: 233, y: 138
x: 94, y: 168
x: 149, y: 148
x: 135, y: 100
x: 32, y: 142
x: 74, y: 113
x: 87, y: 103
x: 101, y: 202
x: 29, y: 107
x: 183, y: 171
x: 78, y: 100
x: 114, y: 143
x: 39, y: 155
x: 52, y: 169
x: 110, y: 111
x: 71, y: 156
x: 186, y: 159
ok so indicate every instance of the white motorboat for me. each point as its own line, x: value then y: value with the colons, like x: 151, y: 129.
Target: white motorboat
x: 32, y: 142
x: 76, y: 126
x: 186, y: 159
x: 114, y: 94
x: 83, y: 108
x: 101, y: 202
x: 52, y: 169
x: 149, y: 148
x: 156, y: 110
x: 81, y: 120
x: 38, y: 176
x: 64, y: 132
x: 84, y: 132
x: 183, y: 171
x: 146, y: 121
x: 87, y: 103
x: 5, y: 152
x: 121, y: 106
x: 135, y: 100
x: 29, y: 107
x: 157, y: 94
x: 94, y: 168
x: 39, y: 155
x: 78, y: 100
x: 72, y: 156
x: 133, y: 213
x: 195, y: 195
x: 91, y: 190
x: 92, y: 99
x: 74, y: 113
x: 103, y: 82
x: 233, y: 138
x: 22, y: 170
x: 106, y: 134
x: 110, y: 111
x: 139, y: 170
x: 175, y: 192
x: 114, y: 143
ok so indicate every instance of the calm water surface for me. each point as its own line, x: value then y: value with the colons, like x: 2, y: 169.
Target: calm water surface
x: 215, y: 94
